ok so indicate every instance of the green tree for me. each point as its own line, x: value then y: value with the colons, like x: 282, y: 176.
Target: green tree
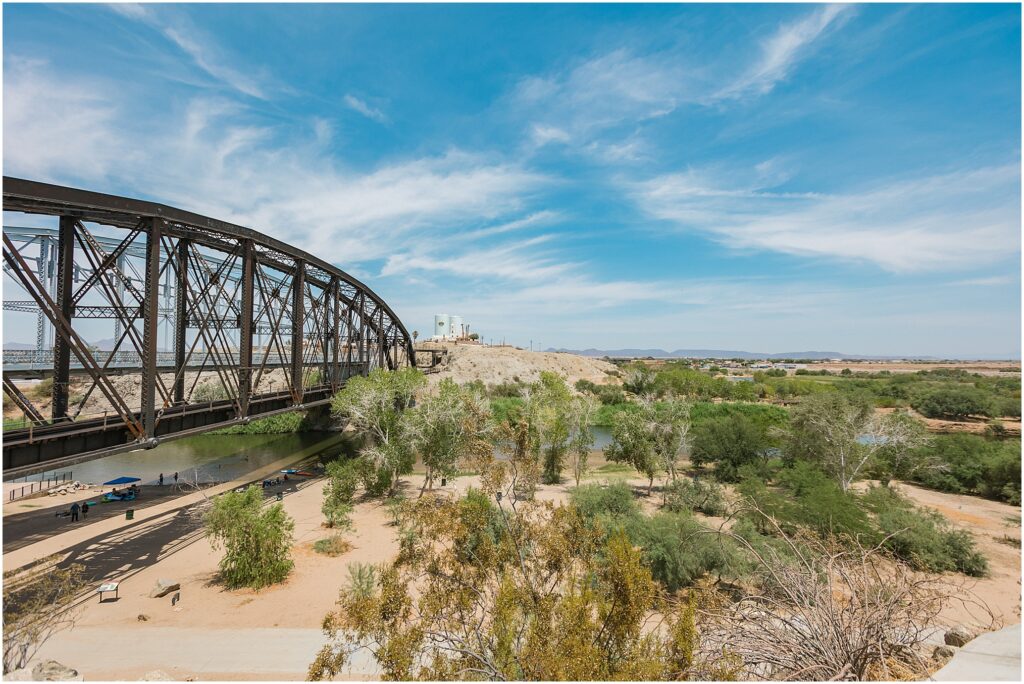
x: 375, y: 405
x: 256, y: 540
x: 582, y: 411
x: 651, y: 439
x: 730, y: 442
x: 550, y: 411
x: 449, y: 426
x: 639, y: 379
x: 342, y: 481
x: 843, y: 435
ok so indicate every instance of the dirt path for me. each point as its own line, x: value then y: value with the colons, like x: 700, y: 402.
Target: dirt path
x: 996, y: 528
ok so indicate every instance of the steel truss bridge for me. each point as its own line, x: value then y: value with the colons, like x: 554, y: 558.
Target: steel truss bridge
x: 251, y: 326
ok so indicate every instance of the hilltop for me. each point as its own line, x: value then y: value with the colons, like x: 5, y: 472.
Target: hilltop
x: 467, y: 362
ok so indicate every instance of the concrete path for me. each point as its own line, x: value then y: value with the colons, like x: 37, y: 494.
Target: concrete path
x: 273, y: 653
x: 994, y: 656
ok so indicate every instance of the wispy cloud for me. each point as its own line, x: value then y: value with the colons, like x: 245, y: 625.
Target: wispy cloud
x: 954, y: 220
x: 781, y: 51
x: 217, y: 158
x: 358, y: 105
x: 991, y: 281
x: 202, y: 49
x: 535, y: 219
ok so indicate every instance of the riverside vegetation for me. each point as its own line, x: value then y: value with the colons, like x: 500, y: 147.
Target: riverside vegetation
x: 756, y: 500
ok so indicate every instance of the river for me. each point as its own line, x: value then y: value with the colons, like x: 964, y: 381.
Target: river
x: 208, y: 458
x: 214, y: 458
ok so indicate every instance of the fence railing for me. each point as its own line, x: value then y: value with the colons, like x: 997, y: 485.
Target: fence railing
x: 42, y: 484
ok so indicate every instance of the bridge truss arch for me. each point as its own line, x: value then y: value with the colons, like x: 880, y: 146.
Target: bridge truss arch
x: 213, y: 324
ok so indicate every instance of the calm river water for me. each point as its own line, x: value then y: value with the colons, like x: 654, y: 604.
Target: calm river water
x: 214, y: 458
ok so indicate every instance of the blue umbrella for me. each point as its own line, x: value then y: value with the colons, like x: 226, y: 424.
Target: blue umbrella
x: 122, y: 480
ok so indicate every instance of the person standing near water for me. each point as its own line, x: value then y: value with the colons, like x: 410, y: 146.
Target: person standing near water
x: 74, y: 511
x: 85, y: 510
x: 175, y: 477
x: 161, y: 479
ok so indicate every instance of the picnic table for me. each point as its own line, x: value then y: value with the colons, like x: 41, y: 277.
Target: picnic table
x: 107, y: 587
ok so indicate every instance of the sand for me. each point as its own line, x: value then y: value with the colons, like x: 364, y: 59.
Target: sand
x: 213, y: 633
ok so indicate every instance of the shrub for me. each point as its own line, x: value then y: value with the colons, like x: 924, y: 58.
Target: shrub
x: 43, y: 389
x: 953, y: 403
x: 963, y: 463
x: 729, y: 443
x: 922, y: 537
x: 256, y: 540
x: 334, y: 545
x: 679, y: 550
x: 810, y: 499
x: 607, y: 501
x: 703, y: 496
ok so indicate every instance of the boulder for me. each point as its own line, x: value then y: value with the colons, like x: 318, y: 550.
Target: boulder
x: 943, y: 652
x: 164, y: 587
x: 958, y: 636
x: 52, y: 671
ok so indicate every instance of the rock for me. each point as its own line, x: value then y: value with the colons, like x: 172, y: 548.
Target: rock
x: 164, y: 587
x: 958, y: 636
x: 52, y: 671
x: 156, y: 676
x: 943, y: 652
x: 22, y: 675
x: 142, y: 618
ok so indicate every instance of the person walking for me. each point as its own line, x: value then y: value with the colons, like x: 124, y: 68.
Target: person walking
x: 74, y: 511
x: 161, y: 479
x: 85, y: 510
x: 175, y: 477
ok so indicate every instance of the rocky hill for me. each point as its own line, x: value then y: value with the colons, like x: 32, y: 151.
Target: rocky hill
x: 494, y: 365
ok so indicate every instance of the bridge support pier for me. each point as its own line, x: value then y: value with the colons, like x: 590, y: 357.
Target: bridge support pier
x: 150, y: 321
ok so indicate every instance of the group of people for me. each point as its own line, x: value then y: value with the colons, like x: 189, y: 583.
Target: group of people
x: 275, y: 481
x: 162, y: 479
x: 76, y: 508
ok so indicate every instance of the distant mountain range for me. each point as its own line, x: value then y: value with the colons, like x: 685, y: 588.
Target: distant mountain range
x: 726, y: 354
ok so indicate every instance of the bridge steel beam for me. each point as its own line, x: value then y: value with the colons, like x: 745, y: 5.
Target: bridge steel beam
x: 61, y: 346
x: 245, y: 330
x: 180, y: 320
x: 223, y: 277
x: 298, y: 319
x: 150, y: 323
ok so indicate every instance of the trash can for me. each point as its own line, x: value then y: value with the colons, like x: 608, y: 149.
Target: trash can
x: 129, y: 514
x: 280, y: 496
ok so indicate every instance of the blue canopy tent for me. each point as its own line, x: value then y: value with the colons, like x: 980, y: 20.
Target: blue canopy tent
x: 122, y: 480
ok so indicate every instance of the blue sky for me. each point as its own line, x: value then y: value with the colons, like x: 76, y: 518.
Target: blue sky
x: 769, y: 178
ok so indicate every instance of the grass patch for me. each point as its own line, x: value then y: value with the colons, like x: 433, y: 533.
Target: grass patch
x: 332, y: 546
x: 1008, y: 540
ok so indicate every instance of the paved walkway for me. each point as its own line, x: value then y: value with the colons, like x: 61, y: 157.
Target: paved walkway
x: 282, y: 653
x: 994, y: 656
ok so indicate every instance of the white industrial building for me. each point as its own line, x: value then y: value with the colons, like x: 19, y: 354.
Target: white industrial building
x: 449, y: 327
